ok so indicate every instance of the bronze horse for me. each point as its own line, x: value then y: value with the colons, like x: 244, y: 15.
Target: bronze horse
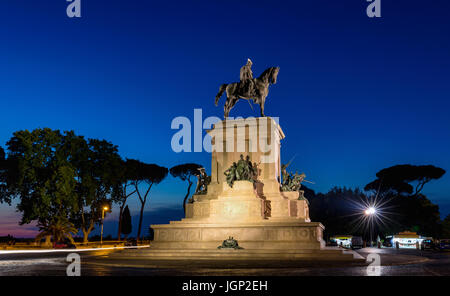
x: 257, y: 93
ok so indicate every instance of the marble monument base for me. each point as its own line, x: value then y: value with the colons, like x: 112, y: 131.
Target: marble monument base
x: 283, y: 233
x: 250, y: 235
x: 241, y: 213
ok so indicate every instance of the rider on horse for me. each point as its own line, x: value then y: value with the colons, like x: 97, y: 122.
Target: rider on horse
x: 248, y: 88
x: 246, y: 77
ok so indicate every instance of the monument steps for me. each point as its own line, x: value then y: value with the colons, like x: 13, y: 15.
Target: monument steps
x: 239, y: 254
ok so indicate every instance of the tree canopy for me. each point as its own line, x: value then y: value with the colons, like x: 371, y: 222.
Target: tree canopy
x: 59, y: 176
x: 185, y: 171
x: 446, y: 227
x: 44, y: 179
x: 126, y: 226
x: 401, y: 186
x: 397, y: 179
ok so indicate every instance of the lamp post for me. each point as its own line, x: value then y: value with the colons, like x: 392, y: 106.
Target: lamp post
x: 103, y: 217
x: 370, y: 212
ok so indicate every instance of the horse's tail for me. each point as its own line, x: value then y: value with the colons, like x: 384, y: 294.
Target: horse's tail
x: 222, y: 88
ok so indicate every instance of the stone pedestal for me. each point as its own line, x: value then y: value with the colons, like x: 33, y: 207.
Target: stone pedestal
x: 239, y: 203
x: 258, y: 215
x: 250, y: 235
x: 260, y: 139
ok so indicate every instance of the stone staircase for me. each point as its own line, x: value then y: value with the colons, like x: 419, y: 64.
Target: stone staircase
x: 325, y: 254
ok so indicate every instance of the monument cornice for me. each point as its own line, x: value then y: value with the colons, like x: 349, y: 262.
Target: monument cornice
x: 245, y: 122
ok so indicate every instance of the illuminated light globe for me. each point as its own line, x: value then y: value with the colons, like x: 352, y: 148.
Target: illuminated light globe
x: 370, y: 211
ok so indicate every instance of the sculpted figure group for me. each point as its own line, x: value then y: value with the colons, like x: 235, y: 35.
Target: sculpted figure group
x: 203, y: 181
x: 291, y: 182
x: 242, y: 170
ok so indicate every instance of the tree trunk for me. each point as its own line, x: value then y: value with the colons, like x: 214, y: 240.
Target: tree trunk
x: 86, y: 232
x: 140, y: 221
x: 143, y: 201
x: 83, y: 227
x: 85, y: 236
x: 48, y: 241
x: 55, y: 239
x: 186, y: 197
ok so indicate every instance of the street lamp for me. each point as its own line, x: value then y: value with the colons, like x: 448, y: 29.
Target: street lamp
x: 105, y: 208
x: 370, y: 212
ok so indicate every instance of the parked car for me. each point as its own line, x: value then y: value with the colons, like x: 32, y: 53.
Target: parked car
x: 444, y: 244
x: 332, y: 242
x: 64, y: 245
x: 427, y: 244
x: 387, y: 243
x: 357, y: 242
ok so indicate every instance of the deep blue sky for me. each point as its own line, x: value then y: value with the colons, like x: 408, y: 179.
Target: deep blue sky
x: 354, y: 94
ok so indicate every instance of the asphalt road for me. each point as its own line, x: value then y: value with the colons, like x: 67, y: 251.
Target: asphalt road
x: 393, y: 262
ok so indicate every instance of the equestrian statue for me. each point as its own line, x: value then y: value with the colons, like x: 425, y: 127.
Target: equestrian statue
x: 248, y: 88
